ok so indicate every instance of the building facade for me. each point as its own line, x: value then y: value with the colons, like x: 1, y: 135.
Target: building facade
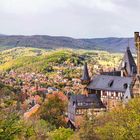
x: 80, y: 105
x: 107, y: 90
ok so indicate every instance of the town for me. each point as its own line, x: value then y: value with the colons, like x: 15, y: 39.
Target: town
x: 84, y: 94
x: 69, y: 70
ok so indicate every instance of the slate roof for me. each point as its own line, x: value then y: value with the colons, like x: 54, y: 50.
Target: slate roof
x: 85, y: 75
x: 110, y: 83
x: 84, y: 101
x: 128, y: 63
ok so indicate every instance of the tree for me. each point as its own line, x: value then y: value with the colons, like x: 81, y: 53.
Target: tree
x: 13, y: 127
x: 38, y: 129
x: 121, y: 124
x: 61, y: 134
x: 53, y: 110
x: 10, y: 126
x: 87, y: 129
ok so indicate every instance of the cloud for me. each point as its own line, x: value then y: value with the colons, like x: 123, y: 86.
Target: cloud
x: 76, y: 18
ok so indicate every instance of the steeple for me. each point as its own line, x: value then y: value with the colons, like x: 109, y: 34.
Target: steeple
x: 85, y: 76
x: 128, y: 64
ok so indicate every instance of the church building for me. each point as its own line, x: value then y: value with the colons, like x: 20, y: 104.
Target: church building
x: 107, y: 90
x: 118, y: 85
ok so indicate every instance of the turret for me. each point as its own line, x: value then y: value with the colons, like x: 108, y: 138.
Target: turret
x: 136, y: 36
x: 85, y: 76
x: 128, y: 66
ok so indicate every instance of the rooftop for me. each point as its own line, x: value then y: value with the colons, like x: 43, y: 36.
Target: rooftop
x: 110, y: 83
x: 86, y: 101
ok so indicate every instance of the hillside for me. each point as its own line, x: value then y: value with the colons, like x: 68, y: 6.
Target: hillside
x: 39, y: 60
x: 54, y: 42
x: 33, y: 59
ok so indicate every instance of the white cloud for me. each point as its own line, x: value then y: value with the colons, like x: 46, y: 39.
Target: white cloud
x: 77, y: 18
x: 31, y: 6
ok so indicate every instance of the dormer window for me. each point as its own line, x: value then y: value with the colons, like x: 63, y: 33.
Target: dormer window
x: 110, y: 84
x: 125, y: 86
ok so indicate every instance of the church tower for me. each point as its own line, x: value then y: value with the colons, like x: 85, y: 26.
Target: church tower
x: 128, y: 66
x: 85, y: 79
x: 136, y: 82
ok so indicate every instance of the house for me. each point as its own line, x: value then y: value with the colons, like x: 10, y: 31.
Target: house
x: 106, y: 90
x: 79, y: 105
x: 110, y: 89
x: 113, y: 87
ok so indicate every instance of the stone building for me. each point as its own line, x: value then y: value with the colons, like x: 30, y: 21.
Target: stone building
x: 116, y: 86
x: 79, y: 105
x: 107, y: 90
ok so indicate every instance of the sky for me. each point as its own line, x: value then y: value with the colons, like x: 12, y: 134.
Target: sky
x: 74, y: 18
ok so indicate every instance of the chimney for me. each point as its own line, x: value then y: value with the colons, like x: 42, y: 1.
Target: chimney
x: 136, y: 35
x: 137, y: 45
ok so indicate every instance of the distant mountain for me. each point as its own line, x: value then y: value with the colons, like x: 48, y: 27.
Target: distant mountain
x: 52, y: 42
x: 2, y: 35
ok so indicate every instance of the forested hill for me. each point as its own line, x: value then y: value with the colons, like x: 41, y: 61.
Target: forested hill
x: 53, y: 42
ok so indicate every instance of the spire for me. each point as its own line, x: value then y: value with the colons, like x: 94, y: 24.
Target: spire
x: 85, y: 76
x: 128, y: 63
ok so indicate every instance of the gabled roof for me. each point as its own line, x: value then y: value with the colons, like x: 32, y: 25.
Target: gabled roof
x: 85, y: 75
x: 86, y: 101
x: 110, y: 83
x: 128, y: 63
